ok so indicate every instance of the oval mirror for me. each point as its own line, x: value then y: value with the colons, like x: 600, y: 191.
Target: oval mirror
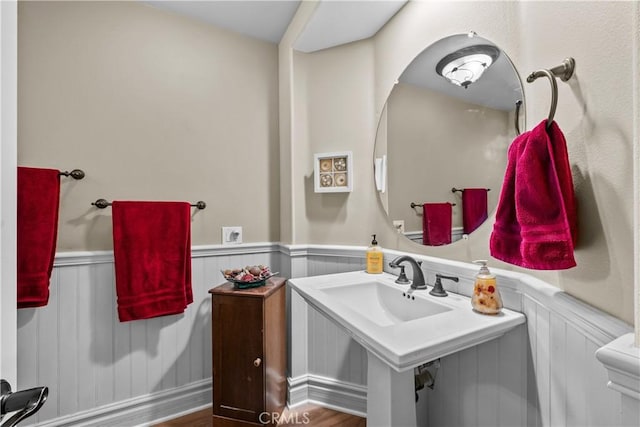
x: 446, y: 126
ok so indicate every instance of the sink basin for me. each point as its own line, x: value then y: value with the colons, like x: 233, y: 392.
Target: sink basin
x: 383, y: 304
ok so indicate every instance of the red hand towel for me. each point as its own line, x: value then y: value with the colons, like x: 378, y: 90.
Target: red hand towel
x: 474, y: 208
x: 436, y: 224
x: 536, y: 221
x: 505, y: 240
x: 560, y: 156
x: 38, y: 202
x: 152, y: 252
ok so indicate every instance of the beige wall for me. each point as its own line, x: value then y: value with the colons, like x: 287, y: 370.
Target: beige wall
x: 437, y: 142
x: 334, y: 112
x: 155, y: 106
x: 595, y: 110
x: 152, y: 106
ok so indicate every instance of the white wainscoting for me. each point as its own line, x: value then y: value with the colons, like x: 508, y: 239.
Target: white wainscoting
x: 621, y: 358
x: 416, y: 236
x: 107, y: 373
x: 103, y: 372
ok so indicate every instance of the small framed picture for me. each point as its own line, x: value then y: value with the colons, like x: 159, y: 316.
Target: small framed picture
x: 333, y: 172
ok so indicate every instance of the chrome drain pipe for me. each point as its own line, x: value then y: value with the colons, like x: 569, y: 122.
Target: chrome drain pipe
x: 425, y: 375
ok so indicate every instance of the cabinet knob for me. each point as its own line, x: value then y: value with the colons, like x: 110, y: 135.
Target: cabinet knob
x: 257, y: 362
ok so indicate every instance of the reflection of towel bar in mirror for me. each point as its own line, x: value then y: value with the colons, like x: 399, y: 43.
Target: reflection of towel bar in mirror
x: 75, y: 174
x: 455, y: 190
x: 102, y: 203
x: 564, y: 71
x: 416, y: 205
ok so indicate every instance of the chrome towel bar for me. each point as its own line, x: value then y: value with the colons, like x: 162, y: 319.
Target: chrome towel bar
x: 102, y: 203
x: 416, y: 205
x: 455, y: 190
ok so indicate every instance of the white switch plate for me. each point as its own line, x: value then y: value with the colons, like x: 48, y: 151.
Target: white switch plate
x: 399, y: 225
x: 231, y: 235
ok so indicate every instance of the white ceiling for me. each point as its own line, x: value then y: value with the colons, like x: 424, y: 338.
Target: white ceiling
x: 336, y: 22
x: 265, y: 20
x: 333, y: 23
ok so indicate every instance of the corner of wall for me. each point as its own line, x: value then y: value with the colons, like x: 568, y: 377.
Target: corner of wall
x: 636, y: 168
x: 8, y: 163
x: 287, y: 117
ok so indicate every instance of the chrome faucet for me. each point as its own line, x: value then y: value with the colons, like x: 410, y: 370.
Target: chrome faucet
x: 418, y: 277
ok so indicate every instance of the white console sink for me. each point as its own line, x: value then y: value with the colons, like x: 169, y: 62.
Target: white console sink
x: 401, y: 328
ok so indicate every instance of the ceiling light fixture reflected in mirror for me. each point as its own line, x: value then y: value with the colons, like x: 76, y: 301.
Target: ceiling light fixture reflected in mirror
x: 466, y: 65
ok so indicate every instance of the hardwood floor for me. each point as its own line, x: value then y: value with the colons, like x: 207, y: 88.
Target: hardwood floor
x: 309, y: 415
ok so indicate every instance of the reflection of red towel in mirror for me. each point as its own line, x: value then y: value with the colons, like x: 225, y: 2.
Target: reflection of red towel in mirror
x: 152, y: 254
x: 474, y: 208
x: 436, y: 224
x: 37, y: 231
x: 536, y: 221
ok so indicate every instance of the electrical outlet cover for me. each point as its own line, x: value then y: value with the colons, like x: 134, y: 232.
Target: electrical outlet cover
x: 231, y: 235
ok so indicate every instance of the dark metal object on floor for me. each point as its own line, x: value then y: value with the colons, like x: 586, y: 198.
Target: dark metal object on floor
x: 22, y: 404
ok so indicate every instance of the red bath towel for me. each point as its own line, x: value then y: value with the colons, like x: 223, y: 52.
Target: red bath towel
x: 474, y: 208
x: 536, y: 221
x: 436, y: 224
x: 152, y: 252
x: 38, y: 202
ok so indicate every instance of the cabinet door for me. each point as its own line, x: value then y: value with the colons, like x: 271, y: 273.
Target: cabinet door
x: 238, y: 375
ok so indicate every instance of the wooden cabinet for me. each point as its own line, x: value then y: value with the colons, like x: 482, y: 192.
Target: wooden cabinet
x: 249, y: 353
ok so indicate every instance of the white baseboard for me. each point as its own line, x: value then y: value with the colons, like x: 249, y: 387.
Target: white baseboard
x: 329, y: 393
x: 143, y: 410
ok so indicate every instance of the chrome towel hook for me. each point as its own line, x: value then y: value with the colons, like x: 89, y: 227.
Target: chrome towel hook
x: 517, y: 116
x: 564, y: 71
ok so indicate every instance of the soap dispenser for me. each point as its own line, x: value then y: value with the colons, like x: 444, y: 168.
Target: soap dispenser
x: 486, y: 297
x: 375, y: 257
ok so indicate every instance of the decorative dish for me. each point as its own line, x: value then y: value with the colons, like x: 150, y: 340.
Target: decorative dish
x: 248, y: 277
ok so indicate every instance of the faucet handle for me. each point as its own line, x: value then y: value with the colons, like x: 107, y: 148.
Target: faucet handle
x: 438, y: 290
x: 402, y: 278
